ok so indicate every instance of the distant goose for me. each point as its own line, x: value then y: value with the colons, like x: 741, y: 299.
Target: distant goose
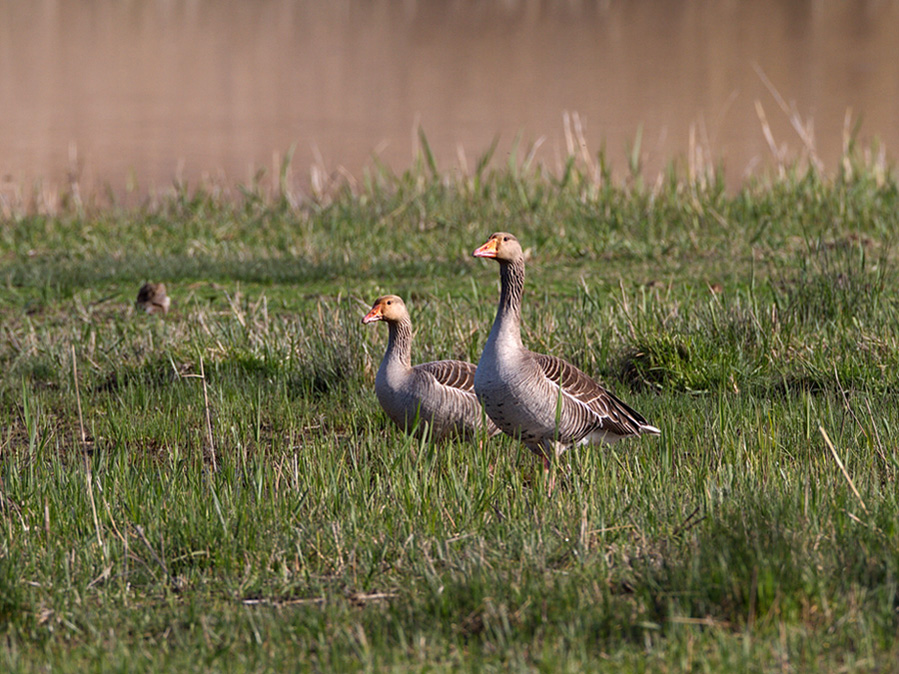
x: 543, y: 400
x: 152, y: 298
x: 440, y: 393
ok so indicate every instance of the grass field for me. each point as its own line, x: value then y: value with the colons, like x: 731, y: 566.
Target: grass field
x: 267, y: 517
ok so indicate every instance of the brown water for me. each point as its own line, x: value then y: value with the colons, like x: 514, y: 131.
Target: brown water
x: 133, y: 95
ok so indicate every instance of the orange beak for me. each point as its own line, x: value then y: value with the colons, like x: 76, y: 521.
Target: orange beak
x: 373, y: 315
x: 487, y: 250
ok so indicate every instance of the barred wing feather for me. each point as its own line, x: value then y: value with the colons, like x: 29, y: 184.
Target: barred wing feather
x: 453, y: 373
x: 614, y: 415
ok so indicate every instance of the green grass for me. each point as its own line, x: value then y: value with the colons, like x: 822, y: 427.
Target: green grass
x: 746, y: 326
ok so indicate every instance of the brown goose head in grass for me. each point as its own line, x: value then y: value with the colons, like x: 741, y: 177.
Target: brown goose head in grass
x: 152, y: 299
x: 390, y: 308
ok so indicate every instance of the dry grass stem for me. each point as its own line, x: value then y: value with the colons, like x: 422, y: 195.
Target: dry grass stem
x: 839, y: 461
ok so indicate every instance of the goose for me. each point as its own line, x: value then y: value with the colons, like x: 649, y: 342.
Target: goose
x: 440, y: 393
x: 544, y: 401
x: 152, y: 298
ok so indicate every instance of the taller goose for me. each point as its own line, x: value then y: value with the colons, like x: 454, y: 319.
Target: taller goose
x: 546, y: 402
x: 439, y: 394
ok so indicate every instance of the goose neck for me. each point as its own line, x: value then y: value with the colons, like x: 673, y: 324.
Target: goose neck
x: 508, y: 316
x: 399, y: 344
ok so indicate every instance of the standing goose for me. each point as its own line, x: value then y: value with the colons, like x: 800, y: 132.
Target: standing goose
x: 440, y: 393
x: 543, y: 400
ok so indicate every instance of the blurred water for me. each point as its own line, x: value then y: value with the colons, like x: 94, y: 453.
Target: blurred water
x: 131, y: 95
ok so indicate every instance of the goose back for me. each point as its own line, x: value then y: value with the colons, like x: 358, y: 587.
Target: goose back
x: 439, y: 394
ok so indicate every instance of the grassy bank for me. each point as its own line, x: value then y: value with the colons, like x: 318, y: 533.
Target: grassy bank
x: 267, y: 515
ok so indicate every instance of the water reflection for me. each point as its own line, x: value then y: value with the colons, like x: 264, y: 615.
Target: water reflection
x: 140, y: 93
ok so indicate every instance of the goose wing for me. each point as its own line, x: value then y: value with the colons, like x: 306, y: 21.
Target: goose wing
x: 454, y: 398
x: 452, y: 373
x: 609, y: 412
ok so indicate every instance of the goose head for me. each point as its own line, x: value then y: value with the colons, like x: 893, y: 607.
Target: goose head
x: 152, y: 298
x: 390, y: 308
x: 502, y: 247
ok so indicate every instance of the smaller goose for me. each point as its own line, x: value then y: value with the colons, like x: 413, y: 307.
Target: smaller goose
x: 544, y: 401
x: 152, y: 298
x: 440, y: 393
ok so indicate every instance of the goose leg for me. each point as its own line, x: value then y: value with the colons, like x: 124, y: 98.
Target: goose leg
x: 547, y: 470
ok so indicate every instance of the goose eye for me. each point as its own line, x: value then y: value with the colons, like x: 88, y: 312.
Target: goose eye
x: 505, y: 238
